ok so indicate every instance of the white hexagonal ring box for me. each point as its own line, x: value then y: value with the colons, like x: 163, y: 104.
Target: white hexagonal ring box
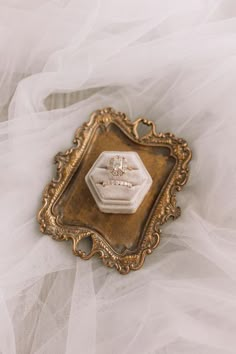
x: 118, y: 181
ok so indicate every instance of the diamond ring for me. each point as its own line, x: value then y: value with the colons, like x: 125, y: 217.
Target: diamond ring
x: 114, y: 182
x: 118, y: 165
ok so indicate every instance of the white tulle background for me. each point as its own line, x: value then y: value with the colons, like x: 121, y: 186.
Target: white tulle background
x: 170, y: 61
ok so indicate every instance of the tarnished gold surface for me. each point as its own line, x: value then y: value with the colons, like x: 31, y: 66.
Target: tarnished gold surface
x: 69, y: 211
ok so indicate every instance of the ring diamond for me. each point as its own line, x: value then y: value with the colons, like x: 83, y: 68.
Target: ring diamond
x: 117, y: 165
x: 114, y: 182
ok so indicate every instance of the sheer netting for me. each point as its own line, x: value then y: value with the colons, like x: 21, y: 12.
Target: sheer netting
x: 173, y: 62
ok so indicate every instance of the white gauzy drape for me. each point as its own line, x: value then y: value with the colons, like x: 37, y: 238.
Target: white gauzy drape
x: 173, y: 62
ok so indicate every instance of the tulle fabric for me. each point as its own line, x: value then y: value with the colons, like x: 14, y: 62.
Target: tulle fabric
x: 173, y: 62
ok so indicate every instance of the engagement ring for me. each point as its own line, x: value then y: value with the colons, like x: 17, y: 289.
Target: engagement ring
x: 118, y: 166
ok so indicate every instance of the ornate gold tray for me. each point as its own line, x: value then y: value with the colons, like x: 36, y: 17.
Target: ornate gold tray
x: 69, y: 211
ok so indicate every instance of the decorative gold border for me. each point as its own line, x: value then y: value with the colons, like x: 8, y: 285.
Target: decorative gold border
x: 166, y: 207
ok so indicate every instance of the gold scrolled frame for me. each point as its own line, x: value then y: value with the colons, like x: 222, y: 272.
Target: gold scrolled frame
x: 69, y: 212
